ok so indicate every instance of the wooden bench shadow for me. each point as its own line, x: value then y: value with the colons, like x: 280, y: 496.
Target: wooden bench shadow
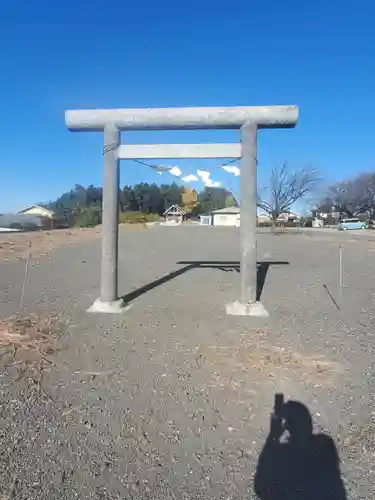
x: 225, y: 266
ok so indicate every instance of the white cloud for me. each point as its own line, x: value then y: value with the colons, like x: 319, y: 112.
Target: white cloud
x: 232, y: 169
x: 205, y: 177
x: 211, y: 183
x: 175, y: 171
x: 190, y: 178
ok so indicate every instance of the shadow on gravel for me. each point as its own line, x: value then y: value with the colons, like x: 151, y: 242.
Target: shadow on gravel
x: 295, y: 463
x: 226, y: 266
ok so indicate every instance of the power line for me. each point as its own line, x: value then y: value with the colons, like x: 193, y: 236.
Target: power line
x: 228, y: 163
x: 110, y: 147
x: 161, y: 168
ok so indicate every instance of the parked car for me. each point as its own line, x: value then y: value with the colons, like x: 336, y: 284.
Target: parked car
x: 20, y: 222
x: 352, y: 224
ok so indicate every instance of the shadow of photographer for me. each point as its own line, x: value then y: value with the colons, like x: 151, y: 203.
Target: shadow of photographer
x: 295, y: 463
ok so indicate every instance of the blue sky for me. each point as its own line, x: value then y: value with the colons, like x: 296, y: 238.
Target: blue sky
x: 116, y: 53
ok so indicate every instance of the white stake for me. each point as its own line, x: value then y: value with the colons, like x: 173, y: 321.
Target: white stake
x: 25, y: 277
x: 340, y: 277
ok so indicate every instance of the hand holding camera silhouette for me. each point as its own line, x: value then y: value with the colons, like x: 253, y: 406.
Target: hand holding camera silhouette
x: 276, y: 425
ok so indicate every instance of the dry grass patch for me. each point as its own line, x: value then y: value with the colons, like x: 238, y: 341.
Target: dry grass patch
x: 40, y: 243
x: 259, y: 360
x: 27, y: 340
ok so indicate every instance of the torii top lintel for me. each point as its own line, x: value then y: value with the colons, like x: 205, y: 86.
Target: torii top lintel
x: 192, y: 118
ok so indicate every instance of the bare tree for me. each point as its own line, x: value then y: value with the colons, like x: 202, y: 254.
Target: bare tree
x: 354, y: 196
x: 285, y: 188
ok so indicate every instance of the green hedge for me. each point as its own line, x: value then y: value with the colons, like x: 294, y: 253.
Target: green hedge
x: 137, y: 217
x: 88, y: 217
x: 92, y: 216
x: 307, y: 222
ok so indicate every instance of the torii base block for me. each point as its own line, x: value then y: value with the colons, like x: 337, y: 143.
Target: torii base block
x: 253, y: 309
x: 114, y: 307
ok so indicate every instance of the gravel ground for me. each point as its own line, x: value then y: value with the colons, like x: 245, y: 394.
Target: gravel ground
x: 18, y: 245
x: 173, y: 398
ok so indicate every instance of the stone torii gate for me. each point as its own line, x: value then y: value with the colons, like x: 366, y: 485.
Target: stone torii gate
x: 247, y: 118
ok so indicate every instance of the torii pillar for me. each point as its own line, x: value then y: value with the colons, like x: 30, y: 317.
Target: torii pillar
x: 248, y: 119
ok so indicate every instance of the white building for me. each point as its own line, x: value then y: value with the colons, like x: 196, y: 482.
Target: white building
x: 205, y: 220
x: 229, y: 216
x: 174, y: 215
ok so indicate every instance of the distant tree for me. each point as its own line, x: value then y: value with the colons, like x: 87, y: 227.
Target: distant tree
x: 352, y: 197
x: 171, y: 195
x: 189, y: 199
x: 285, y: 188
x: 83, y: 206
x: 80, y: 196
x: 141, y: 196
x: 94, y: 195
x: 71, y: 200
x: 144, y: 197
x: 127, y: 199
x: 156, y: 201
x: 324, y: 205
x: 230, y: 201
x: 213, y: 198
x: 88, y: 217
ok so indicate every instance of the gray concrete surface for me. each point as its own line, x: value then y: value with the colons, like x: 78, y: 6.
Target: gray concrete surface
x: 193, y: 117
x: 110, y: 219
x: 165, y: 151
x: 173, y: 398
